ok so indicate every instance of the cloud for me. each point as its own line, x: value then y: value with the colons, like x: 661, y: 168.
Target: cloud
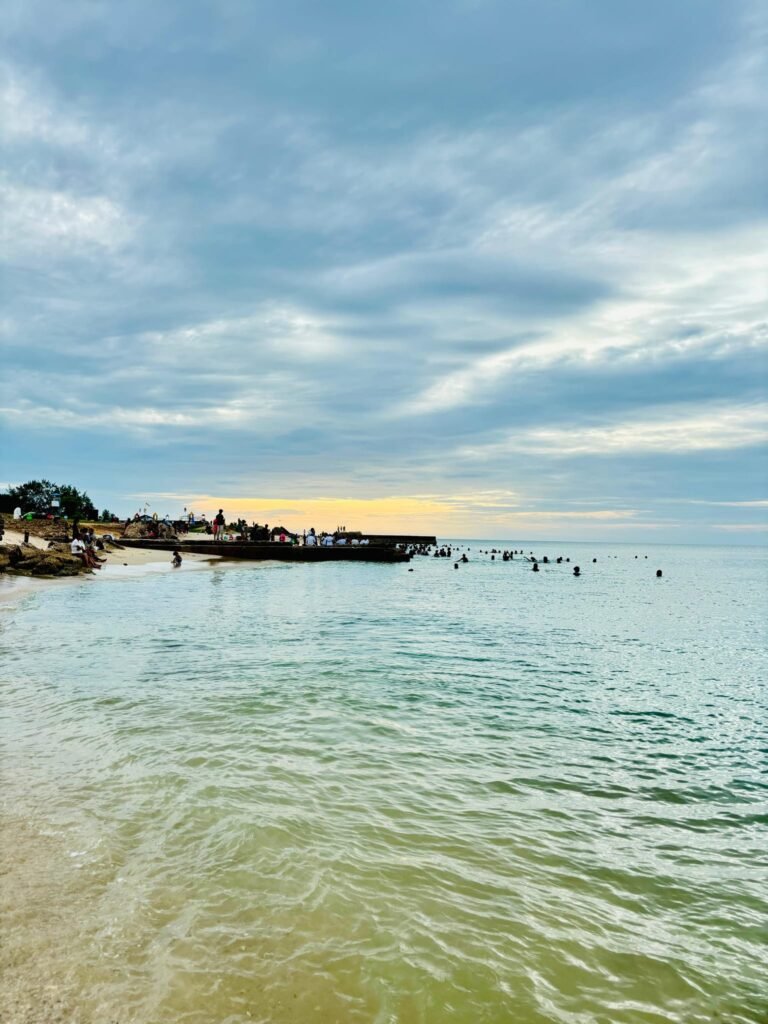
x: 25, y: 116
x: 32, y: 220
x: 275, y: 330
x: 762, y: 503
x: 327, y: 253
x: 742, y: 527
x: 687, y: 431
x: 265, y: 409
x: 692, y: 306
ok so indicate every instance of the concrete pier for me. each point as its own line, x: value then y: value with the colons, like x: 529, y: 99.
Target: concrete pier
x: 271, y: 551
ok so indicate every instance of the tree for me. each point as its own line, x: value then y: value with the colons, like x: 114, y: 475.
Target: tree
x: 107, y: 516
x: 34, y: 496
x: 39, y: 496
x: 76, y: 504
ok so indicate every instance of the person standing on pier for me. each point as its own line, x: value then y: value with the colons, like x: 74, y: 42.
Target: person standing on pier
x: 218, y: 525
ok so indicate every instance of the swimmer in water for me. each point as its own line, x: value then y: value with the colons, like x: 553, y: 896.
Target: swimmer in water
x: 176, y: 559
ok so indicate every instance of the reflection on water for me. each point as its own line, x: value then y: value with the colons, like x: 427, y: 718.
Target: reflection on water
x: 352, y: 793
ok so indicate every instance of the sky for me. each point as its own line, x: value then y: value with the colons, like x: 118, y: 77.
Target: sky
x: 472, y: 268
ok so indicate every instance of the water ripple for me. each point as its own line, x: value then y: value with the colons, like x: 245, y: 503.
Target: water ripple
x: 345, y: 793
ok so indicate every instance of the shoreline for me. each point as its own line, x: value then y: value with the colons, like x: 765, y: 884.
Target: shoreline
x: 121, y: 563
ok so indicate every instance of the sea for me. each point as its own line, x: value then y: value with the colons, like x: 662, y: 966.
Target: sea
x: 391, y: 794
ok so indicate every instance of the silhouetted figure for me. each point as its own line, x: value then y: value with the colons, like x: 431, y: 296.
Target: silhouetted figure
x: 455, y: 565
x: 535, y: 566
x: 176, y: 560
x: 594, y: 559
x: 576, y: 571
x: 658, y: 574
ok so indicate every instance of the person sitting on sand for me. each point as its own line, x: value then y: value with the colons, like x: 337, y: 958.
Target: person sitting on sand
x: 89, y: 541
x: 176, y: 559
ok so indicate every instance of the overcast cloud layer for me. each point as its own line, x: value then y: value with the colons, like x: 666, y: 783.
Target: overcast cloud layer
x: 506, y: 260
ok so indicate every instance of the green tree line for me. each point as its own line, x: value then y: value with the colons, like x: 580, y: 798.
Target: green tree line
x: 40, y: 495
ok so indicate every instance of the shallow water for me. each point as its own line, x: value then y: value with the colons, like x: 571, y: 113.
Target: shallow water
x: 354, y: 793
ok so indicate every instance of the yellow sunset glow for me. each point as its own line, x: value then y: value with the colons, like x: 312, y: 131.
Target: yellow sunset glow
x: 488, y: 513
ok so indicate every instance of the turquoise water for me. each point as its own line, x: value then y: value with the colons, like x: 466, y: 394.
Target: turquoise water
x: 355, y: 793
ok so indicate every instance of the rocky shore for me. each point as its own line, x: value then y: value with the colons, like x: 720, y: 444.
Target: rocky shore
x: 27, y: 560
x: 45, y: 553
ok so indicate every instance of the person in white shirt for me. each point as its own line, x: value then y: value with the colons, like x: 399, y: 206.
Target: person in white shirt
x: 328, y: 540
x: 88, y: 558
x: 311, y: 537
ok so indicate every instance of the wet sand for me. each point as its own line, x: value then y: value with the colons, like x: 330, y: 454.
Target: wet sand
x: 41, y: 893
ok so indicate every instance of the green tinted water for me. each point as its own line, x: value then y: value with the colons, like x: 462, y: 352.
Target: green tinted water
x: 353, y: 793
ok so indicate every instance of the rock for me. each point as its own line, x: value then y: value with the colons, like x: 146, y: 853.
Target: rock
x: 26, y: 561
x: 138, y: 528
